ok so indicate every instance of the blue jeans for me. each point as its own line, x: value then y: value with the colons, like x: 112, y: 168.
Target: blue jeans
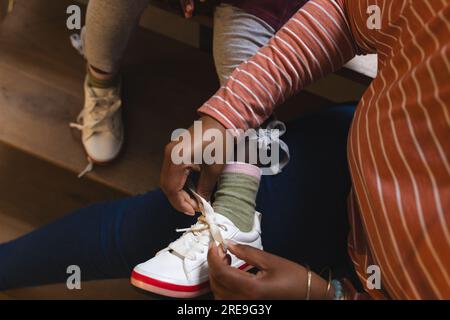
x: 304, y: 217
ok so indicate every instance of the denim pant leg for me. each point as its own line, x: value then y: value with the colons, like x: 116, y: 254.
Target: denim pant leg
x: 105, y: 240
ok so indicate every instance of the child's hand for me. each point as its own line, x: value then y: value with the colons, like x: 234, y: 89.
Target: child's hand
x: 278, y: 278
x: 188, y: 7
x: 173, y: 176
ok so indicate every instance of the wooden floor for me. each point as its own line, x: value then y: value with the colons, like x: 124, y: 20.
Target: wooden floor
x: 35, y: 192
x: 41, y: 80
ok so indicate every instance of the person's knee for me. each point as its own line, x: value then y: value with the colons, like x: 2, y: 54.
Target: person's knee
x: 238, y: 35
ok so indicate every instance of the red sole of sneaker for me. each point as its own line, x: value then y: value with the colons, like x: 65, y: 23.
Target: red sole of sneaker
x: 170, y: 289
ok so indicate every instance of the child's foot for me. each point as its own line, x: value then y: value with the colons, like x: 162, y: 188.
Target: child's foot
x: 100, y: 123
x: 181, y: 270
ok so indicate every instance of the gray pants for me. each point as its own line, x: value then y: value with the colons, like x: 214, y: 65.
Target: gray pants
x: 109, y: 24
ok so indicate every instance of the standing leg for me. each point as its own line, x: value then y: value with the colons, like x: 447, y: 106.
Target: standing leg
x: 109, y: 25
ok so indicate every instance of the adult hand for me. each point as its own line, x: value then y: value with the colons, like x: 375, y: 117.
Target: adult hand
x: 173, y: 176
x: 188, y: 7
x: 278, y: 278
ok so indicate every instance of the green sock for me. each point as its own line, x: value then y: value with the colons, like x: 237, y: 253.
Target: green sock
x: 101, y: 83
x: 236, y: 194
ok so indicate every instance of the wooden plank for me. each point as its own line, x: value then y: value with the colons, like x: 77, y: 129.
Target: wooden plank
x: 118, y: 289
x: 171, y: 25
x: 11, y: 228
x: 203, y: 14
x: 4, y: 296
x: 202, y: 17
x: 33, y: 192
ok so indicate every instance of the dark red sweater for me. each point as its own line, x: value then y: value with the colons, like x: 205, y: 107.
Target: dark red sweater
x: 274, y: 12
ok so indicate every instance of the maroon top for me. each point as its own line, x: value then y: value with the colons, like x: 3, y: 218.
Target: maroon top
x: 274, y: 12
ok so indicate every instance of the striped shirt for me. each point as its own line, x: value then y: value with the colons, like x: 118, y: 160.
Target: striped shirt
x: 399, y: 141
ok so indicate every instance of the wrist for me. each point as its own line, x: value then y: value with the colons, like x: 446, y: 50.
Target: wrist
x: 208, y: 132
x: 319, y: 288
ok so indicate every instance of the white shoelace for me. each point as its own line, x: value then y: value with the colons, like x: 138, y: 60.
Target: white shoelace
x: 77, y: 41
x: 197, y: 238
x: 100, y: 112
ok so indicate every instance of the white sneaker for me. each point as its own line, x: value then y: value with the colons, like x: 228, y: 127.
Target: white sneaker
x: 181, y: 269
x: 100, y: 123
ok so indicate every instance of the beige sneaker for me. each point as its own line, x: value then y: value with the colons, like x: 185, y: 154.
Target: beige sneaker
x: 100, y: 123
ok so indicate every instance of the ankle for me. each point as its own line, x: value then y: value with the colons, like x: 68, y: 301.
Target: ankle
x: 100, y: 74
x: 235, y: 197
x: 101, y: 79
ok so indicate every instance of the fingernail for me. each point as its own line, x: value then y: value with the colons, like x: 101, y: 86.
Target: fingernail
x: 221, y: 253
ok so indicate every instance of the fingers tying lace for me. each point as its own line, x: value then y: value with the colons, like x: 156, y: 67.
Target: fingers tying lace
x: 197, y: 237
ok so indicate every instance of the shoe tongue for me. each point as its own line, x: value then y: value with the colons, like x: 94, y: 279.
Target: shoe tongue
x: 110, y: 94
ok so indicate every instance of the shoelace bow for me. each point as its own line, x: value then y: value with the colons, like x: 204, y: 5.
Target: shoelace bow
x: 272, y: 133
x: 196, y: 238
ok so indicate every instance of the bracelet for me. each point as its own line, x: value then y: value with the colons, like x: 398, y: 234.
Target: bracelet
x: 327, y: 292
x: 308, y: 289
x: 338, y: 290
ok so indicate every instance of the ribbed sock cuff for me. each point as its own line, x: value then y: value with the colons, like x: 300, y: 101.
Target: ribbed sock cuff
x: 243, y: 168
x: 102, y: 83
